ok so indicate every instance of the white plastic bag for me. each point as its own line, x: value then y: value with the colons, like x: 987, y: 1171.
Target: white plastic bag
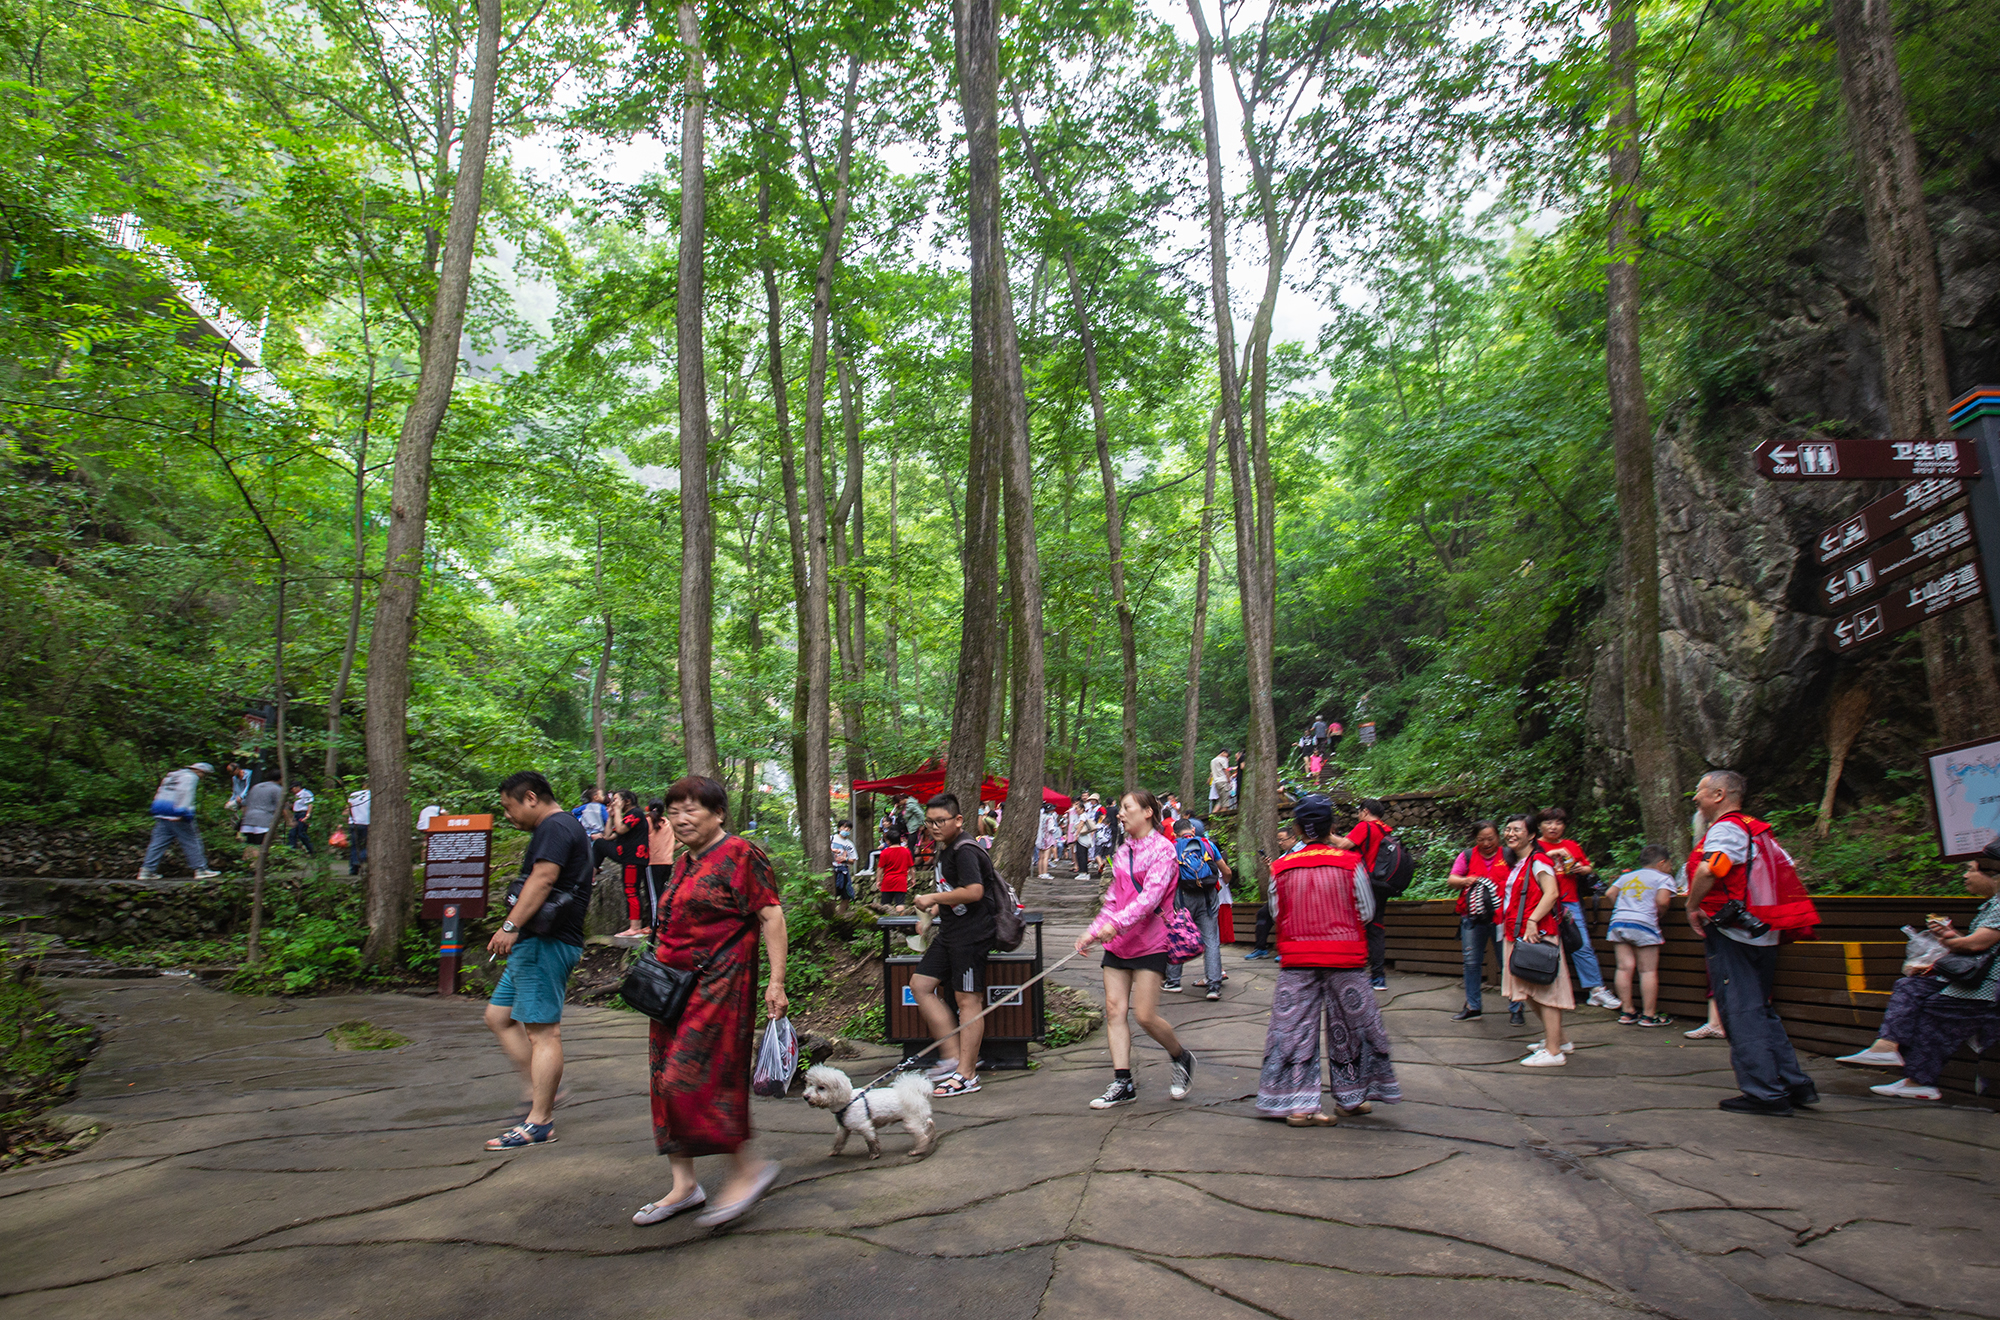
x: 777, y: 1060
x: 1923, y: 949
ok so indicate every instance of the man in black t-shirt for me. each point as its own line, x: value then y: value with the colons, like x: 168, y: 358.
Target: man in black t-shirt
x: 957, y: 953
x: 542, y: 940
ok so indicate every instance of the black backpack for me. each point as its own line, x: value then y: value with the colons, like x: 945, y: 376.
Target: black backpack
x: 1394, y: 865
x: 1008, y: 927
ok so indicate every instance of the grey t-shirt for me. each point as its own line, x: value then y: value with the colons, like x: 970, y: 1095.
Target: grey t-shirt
x: 260, y: 806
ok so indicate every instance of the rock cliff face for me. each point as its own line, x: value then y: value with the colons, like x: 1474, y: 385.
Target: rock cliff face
x: 1747, y: 669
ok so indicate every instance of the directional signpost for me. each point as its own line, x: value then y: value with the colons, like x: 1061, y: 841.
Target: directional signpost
x: 1885, y: 516
x: 1878, y: 548
x: 1865, y: 460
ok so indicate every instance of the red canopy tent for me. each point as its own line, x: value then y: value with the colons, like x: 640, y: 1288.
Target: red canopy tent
x: 928, y: 781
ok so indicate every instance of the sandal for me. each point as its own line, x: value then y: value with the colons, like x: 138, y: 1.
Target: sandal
x: 1349, y: 1112
x: 523, y: 1134
x: 1656, y: 1020
x: 1310, y: 1120
x: 956, y: 1084
x: 1628, y: 1019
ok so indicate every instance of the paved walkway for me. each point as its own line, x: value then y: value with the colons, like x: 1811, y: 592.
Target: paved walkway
x: 250, y: 1169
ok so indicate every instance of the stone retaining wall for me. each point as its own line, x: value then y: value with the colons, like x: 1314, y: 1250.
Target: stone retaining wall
x: 126, y: 911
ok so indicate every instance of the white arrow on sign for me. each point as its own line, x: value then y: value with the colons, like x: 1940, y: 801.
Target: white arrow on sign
x: 1783, y: 455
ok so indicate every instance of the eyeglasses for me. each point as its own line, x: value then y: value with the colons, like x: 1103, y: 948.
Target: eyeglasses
x: 939, y: 822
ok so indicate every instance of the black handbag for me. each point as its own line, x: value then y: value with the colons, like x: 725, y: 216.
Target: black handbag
x: 1537, y: 964
x: 662, y: 992
x: 1966, y: 970
x: 1572, y: 938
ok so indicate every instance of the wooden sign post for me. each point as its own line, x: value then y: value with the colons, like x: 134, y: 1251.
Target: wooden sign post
x: 458, y: 861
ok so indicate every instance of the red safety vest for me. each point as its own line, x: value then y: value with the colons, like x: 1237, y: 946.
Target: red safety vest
x: 1769, y: 885
x: 1318, y: 925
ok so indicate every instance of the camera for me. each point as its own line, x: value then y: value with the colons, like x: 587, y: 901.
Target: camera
x: 1737, y: 917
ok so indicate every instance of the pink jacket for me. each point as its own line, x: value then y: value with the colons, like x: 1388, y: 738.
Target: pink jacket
x: 1143, y: 875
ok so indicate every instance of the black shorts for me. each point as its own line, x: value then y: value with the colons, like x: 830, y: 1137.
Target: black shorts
x: 1145, y: 962
x: 958, y: 968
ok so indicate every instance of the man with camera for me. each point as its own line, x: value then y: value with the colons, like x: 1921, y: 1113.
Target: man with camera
x: 1742, y: 953
x: 542, y: 941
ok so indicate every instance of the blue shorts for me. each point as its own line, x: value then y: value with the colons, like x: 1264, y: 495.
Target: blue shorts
x: 536, y: 977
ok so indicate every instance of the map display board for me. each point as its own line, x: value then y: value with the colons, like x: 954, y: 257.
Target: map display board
x: 1965, y: 791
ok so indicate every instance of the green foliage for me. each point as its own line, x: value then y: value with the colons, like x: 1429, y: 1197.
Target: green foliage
x: 1890, y: 848
x: 40, y: 1054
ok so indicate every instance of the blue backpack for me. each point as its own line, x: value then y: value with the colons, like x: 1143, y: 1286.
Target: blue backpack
x: 1197, y: 874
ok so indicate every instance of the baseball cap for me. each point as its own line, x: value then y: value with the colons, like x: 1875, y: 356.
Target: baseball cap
x: 203, y: 766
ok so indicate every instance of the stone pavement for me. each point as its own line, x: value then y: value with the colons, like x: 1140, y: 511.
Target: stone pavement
x: 248, y: 1168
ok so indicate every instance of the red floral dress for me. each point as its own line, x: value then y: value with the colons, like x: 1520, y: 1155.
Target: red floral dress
x: 700, y: 1072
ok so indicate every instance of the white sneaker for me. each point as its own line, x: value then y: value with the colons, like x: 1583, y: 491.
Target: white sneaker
x: 1569, y: 1046
x: 149, y: 875
x: 206, y: 875
x: 1543, y: 1059
x: 1603, y: 998
x: 1904, y: 1089
x: 1045, y: 876
x: 1874, y: 1058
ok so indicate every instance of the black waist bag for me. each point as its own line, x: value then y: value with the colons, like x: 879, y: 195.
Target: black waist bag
x: 1537, y: 964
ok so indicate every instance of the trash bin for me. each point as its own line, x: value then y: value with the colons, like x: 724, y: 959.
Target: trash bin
x: 1009, y: 1029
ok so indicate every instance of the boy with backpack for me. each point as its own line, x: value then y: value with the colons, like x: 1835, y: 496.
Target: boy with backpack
x: 1390, y: 866
x: 1202, y: 873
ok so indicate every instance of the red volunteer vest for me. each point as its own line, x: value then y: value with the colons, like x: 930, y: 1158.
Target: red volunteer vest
x: 1318, y: 925
x: 1790, y: 909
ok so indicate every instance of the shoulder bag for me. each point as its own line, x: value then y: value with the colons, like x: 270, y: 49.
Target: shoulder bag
x: 1967, y: 971
x: 662, y: 992
x: 1537, y: 964
x: 1183, y: 936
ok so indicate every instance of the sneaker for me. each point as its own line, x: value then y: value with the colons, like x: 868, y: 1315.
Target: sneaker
x: 1172, y: 987
x: 1543, y: 1059
x: 1706, y: 1031
x: 1568, y: 1047
x: 1465, y: 1014
x: 1381, y: 983
x: 148, y: 875
x: 1517, y: 1016
x: 1603, y: 998
x: 207, y: 875
x: 1116, y: 1094
x: 1750, y: 1104
x: 1904, y: 1089
x: 1805, y: 1095
x: 1214, y: 993
x: 1874, y: 1058
x: 1183, y: 1074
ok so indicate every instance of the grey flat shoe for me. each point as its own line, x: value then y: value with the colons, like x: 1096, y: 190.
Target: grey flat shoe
x: 735, y: 1210
x: 660, y: 1211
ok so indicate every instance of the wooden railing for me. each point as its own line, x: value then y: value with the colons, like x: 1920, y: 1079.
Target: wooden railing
x: 1831, y: 991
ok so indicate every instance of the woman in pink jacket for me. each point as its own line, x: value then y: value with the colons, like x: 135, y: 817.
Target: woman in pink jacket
x: 1133, y: 927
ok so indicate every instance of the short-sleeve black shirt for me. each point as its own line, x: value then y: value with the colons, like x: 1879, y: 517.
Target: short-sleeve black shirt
x: 968, y: 925
x: 561, y: 839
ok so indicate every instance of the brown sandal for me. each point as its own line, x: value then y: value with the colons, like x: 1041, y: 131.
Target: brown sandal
x: 1310, y: 1120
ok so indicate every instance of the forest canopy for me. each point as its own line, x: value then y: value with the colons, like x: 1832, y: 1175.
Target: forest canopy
x: 224, y: 231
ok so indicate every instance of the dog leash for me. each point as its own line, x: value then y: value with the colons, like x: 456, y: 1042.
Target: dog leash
x: 1013, y: 998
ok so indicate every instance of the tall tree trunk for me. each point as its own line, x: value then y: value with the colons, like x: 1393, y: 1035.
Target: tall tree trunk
x: 1653, y: 770
x: 1114, y: 537
x: 852, y: 601
x: 975, y: 36
x: 1198, y: 632
x: 389, y: 644
x: 890, y: 642
x: 815, y: 818
x: 795, y: 528
x: 250, y: 951
x: 1958, y: 648
x: 337, y: 698
x: 697, y: 621
x: 603, y: 664
x: 1257, y: 800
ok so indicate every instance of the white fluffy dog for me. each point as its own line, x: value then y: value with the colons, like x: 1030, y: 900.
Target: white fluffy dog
x: 907, y: 1099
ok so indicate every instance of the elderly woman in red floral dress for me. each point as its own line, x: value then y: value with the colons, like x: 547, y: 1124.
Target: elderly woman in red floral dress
x: 722, y: 894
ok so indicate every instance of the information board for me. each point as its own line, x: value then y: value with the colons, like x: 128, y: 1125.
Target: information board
x: 458, y: 860
x: 1865, y: 460
x: 1965, y: 793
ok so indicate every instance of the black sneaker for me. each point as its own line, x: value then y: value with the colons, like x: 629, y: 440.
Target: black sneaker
x: 1183, y: 1074
x: 1750, y: 1104
x: 1517, y: 1016
x: 1466, y: 1013
x: 1805, y: 1095
x: 1215, y: 991
x: 1116, y: 1094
